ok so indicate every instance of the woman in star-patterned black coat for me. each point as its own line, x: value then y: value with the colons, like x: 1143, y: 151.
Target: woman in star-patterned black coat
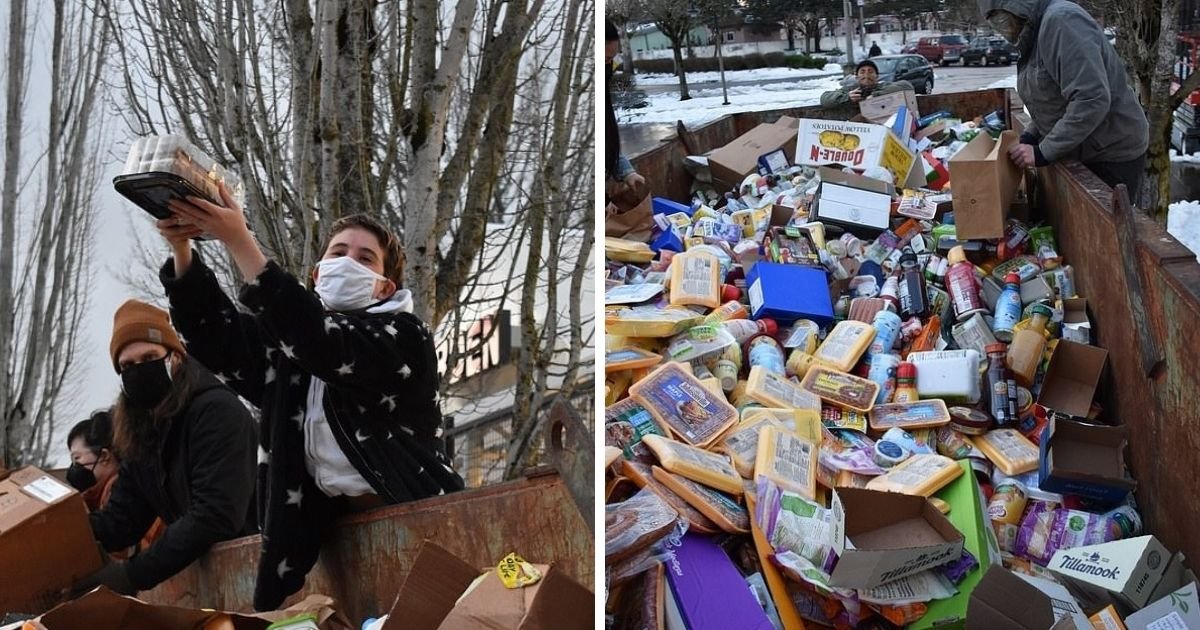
x: 381, y: 394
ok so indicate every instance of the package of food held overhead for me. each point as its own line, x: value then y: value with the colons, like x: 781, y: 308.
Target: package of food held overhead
x: 161, y: 168
x: 922, y: 414
x: 843, y: 390
x: 681, y: 403
x: 710, y: 469
x: 921, y: 475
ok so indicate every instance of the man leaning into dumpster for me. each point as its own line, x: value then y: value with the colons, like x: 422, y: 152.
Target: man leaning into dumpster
x: 1073, y: 84
x: 345, y: 377
x: 866, y: 74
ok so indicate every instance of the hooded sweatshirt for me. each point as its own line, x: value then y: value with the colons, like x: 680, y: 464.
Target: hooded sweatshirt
x: 1073, y: 84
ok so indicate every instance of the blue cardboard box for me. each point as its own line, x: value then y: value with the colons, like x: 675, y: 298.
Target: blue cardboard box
x: 1085, y: 460
x: 786, y: 292
x: 659, y: 205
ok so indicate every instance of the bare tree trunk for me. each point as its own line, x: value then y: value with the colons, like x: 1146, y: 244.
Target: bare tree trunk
x: 683, y: 86
x: 13, y: 125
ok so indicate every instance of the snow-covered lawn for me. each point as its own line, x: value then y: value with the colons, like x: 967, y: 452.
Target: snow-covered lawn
x: 737, y: 76
x: 1183, y: 222
x: 706, y: 105
x: 1006, y: 82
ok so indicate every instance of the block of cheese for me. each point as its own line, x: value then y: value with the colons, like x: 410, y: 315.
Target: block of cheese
x: 682, y: 404
x: 788, y: 460
x: 843, y: 390
x: 803, y: 336
x: 775, y: 390
x: 921, y: 414
x: 611, y: 455
x: 741, y: 443
x: 649, y: 321
x: 641, y: 475
x: 1010, y: 451
x: 728, y: 514
x: 695, y: 280
x: 845, y: 345
x: 920, y: 475
x: 710, y: 469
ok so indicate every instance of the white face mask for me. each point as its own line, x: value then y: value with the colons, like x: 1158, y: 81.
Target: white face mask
x: 344, y: 284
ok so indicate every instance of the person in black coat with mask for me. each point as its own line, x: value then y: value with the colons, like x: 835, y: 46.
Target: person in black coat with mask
x: 187, y: 451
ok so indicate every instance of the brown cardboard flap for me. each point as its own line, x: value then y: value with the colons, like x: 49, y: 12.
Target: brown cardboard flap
x: 430, y: 589
x: 984, y: 182
x: 560, y: 602
x: 1072, y: 378
x: 731, y: 163
x: 854, y: 180
x: 1003, y: 601
x: 878, y: 108
x: 1089, y: 453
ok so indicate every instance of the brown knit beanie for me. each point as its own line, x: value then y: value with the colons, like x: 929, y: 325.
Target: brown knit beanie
x: 139, y: 321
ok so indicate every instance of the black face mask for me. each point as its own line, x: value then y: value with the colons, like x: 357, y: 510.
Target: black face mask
x: 146, y: 384
x: 80, y: 476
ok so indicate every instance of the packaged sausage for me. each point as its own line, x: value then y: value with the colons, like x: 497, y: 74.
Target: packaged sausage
x: 728, y: 514
x: 681, y: 403
x: 710, y: 469
x: 922, y: 414
x: 843, y: 390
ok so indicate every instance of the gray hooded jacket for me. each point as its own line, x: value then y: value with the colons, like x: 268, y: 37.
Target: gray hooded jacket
x: 1074, y: 85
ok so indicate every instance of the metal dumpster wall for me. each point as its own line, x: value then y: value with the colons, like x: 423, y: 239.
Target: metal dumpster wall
x: 1162, y: 410
x: 371, y: 553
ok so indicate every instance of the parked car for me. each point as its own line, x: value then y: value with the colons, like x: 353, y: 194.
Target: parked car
x: 909, y: 48
x: 943, y: 49
x: 912, y: 68
x: 989, y: 50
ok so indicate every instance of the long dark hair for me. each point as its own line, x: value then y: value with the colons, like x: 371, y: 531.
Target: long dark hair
x: 612, y: 138
x: 138, y: 433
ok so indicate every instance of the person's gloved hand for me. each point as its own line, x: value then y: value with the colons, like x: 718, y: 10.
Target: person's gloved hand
x: 113, y: 575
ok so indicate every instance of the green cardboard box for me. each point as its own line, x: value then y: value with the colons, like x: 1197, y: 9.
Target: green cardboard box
x: 968, y: 513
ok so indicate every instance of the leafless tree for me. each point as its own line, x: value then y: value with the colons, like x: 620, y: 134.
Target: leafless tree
x: 48, y: 209
x: 674, y: 20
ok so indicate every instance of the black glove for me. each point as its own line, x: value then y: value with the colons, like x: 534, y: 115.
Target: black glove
x: 1028, y: 137
x: 114, y: 575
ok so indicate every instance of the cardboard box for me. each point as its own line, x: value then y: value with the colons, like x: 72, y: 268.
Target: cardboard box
x: 879, y: 108
x: 1174, y: 578
x: 884, y: 536
x: 1075, y: 325
x: 969, y: 516
x: 861, y: 205
x: 789, y: 292
x: 1071, y: 380
x: 731, y: 163
x: 1126, y: 570
x: 708, y: 589
x: 858, y: 146
x: 103, y: 608
x: 1004, y: 600
x: 429, y: 599
x: 1085, y: 460
x: 984, y: 182
x: 46, y: 543
x: 1179, y: 609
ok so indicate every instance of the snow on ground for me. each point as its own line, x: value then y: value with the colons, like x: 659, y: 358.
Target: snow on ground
x: 1006, y: 82
x: 1183, y: 222
x: 706, y: 104
x: 737, y: 76
x: 1193, y: 158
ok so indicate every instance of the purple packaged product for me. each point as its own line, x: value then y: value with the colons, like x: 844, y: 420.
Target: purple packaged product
x: 701, y: 568
x: 1047, y: 528
x: 956, y: 571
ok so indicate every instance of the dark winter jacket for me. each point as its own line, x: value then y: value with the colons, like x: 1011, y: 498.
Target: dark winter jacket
x: 841, y: 96
x: 381, y: 402
x: 202, y: 486
x: 1073, y: 84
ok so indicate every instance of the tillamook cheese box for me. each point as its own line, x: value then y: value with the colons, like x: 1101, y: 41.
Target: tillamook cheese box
x: 1128, y: 569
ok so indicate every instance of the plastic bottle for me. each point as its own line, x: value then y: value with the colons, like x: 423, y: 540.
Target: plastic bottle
x: 1027, y: 347
x: 887, y: 330
x: 962, y: 285
x: 906, y: 384
x: 743, y: 329
x: 1008, y: 309
x: 914, y: 301
x: 997, y: 384
x: 763, y: 350
x: 883, y: 367
x: 729, y: 310
x: 891, y: 293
